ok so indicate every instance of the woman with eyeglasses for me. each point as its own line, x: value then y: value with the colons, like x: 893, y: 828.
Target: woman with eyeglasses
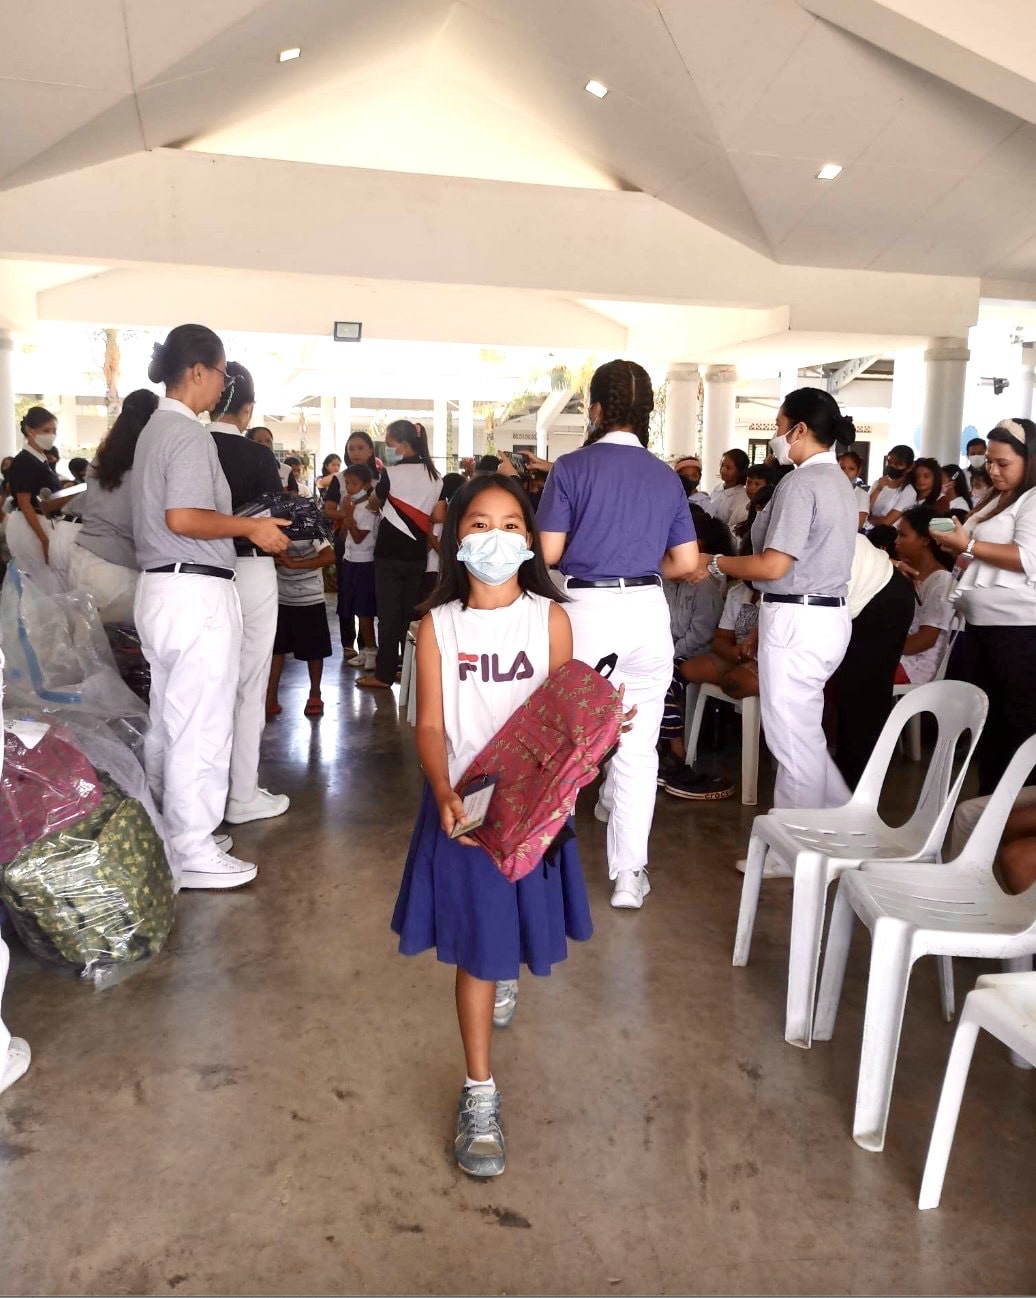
x: 186, y: 607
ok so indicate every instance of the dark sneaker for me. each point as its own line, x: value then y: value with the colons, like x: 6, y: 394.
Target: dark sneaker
x: 698, y: 787
x: 668, y: 764
x: 479, y: 1144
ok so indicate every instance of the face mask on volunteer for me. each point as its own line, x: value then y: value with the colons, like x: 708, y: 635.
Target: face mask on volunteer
x: 45, y: 441
x: 392, y: 455
x: 494, y: 557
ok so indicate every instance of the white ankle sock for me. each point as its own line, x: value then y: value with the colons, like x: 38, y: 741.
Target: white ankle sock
x: 470, y: 1084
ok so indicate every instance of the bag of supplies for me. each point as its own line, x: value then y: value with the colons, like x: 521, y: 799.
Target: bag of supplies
x: 550, y: 748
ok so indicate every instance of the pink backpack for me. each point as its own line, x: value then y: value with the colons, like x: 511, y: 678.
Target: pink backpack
x: 549, y: 749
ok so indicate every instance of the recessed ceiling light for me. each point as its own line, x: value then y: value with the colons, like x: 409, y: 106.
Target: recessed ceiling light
x: 286, y: 56
x: 829, y: 171
x: 596, y: 88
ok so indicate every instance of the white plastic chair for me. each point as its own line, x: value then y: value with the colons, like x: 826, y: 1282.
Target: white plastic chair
x: 408, y: 676
x: 820, y: 845
x: 750, y: 727
x: 1005, y: 1005
x: 913, y: 734
x: 915, y: 909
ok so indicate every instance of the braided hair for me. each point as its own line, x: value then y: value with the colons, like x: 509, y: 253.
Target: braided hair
x: 623, y: 391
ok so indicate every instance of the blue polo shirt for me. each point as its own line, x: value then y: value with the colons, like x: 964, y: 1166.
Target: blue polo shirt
x: 621, y: 507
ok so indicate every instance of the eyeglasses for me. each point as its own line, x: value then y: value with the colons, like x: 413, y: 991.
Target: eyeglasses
x: 228, y: 379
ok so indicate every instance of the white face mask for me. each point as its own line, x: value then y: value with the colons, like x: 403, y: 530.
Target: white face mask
x: 977, y: 461
x: 359, y: 495
x: 45, y: 441
x: 779, y: 446
x: 494, y: 557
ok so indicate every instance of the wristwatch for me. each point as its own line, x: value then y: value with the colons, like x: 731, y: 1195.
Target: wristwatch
x: 714, y: 569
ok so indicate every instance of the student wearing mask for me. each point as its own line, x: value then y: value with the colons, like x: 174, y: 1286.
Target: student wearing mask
x: 29, y: 528
x: 104, y: 559
x: 688, y: 470
x: 359, y: 450
x: 997, y: 595
x: 251, y: 471
x: 186, y: 609
x: 358, y: 532
x: 892, y: 493
x: 616, y: 520
x: 409, y: 497
x: 852, y: 466
x: 976, y: 454
x: 802, y: 569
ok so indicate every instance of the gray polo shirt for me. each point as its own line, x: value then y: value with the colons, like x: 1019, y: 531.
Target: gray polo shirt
x: 176, y: 467
x: 814, y: 518
x: 107, y: 529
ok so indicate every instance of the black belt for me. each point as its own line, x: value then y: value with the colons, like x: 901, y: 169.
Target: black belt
x: 245, y: 551
x: 821, y: 601
x: 612, y: 583
x: 199, y: 569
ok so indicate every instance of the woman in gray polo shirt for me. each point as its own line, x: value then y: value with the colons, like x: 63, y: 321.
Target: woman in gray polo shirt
x: 186, y: 608
x: 802, y: 568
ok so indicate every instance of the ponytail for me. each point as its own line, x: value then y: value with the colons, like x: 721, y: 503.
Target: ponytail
x: 416, y: 437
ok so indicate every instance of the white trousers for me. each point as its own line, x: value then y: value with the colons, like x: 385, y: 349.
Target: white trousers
x: 799, y: 648
x: 631, y: 627
x: 190, y: 631
x: 112, y: 586
x: 257, y: 594
x: 27, y: 552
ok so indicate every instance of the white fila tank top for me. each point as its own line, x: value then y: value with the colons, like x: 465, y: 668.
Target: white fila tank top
x: 492, y: 660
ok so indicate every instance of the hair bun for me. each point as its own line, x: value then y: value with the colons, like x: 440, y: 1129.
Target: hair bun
x: 156, y: 370
x: 848, y: 431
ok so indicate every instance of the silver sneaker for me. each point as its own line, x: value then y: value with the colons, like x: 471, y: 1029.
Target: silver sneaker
x: 479, y: 1145
x: 506, y: 1002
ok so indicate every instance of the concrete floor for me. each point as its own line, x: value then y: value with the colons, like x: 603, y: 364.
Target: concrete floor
x: 268, y: 1108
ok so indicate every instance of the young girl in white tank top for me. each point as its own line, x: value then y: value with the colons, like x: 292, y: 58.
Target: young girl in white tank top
x: 495, y: 632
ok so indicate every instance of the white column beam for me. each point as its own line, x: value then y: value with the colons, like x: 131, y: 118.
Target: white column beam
x: 546, y: 417
x: 328, y: 432
x: 343, y: 421
x: 437, y: 435
x: 719, y: 420
x: 788, y: 380
x: 1028, y: 369
x: 466, y: 429
x: 946, y: 362
x: 10, y: 442
x: 68, y: 418
x: 681, y: 411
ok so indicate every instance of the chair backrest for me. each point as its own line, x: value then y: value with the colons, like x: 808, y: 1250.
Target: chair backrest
x: 944, y: 661
x: 957, y: 707
x: 981, y: 847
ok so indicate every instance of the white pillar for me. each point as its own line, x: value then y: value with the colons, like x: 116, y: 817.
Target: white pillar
x: 945, y: 363
x: 719, y: 419
x: 1028, y: 367
x: 681, y: 411
x: 343, y: 421
x: 328, y: 438
x: 68, y: 415
x: 553, y: 404
x: 466, y: 429
x: 10, y: 442
x: 440, y: 421
x: 788, y: 380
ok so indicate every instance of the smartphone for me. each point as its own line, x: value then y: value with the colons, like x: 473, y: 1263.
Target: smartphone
x: 477, y: 796
x: 519, y: 463
x: 941, y: 525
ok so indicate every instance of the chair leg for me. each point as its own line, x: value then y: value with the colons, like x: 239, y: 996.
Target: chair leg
x: 887, y: 984
x: 750, y: 886
x: 946, y: 1115
x: 947, y: 994
x: 693, y: 720
x: 836, y: 957
x: 749, y: 751
x: 914, y: 737
x: 809, y: 902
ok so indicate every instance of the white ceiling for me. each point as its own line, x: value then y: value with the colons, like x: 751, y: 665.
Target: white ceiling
x: 722, y: 110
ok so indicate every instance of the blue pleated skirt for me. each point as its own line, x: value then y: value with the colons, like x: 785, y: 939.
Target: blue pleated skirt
x: 453, y: 898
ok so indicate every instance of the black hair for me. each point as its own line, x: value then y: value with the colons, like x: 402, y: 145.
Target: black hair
x: 115, y: 454
x: 414, y: 436
x: 362, y: 471
x: 903, y: 453
x: 935, y: 469
x: 713, y: 535
x: 324, y: 470
x: 920, y: 519
x: 975, y: 441
x: 259, y: 428
x: 856, y: 458
x: 740, y: 461
x: 451, y: 484
x: 454, y: 583
x: 36, y: 417
x: 623, y: 391
x: 185, y: 346
x: 960, y: 482
x: 883, y: 537
x: 293, y: 460
x: 760, y: 471
x: 820, y: 412
x: 1027, y: 450
x: 242, y: 394
x: 363, y: 437
x: 487, y: 464
x: 78, y: 467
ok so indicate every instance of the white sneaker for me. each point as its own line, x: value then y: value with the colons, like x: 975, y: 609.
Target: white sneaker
x: 772, y: 868
x: 264, y: 806
x: 631, y: 887
x: 16, y: 1064
x: 224, y: 842
x: 601, y: 812
x: 217, y: 870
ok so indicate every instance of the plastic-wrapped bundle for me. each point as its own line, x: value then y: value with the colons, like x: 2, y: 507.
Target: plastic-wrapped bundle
x: 46, y: 785
x: 307, y: 521
x: 129, y: 658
